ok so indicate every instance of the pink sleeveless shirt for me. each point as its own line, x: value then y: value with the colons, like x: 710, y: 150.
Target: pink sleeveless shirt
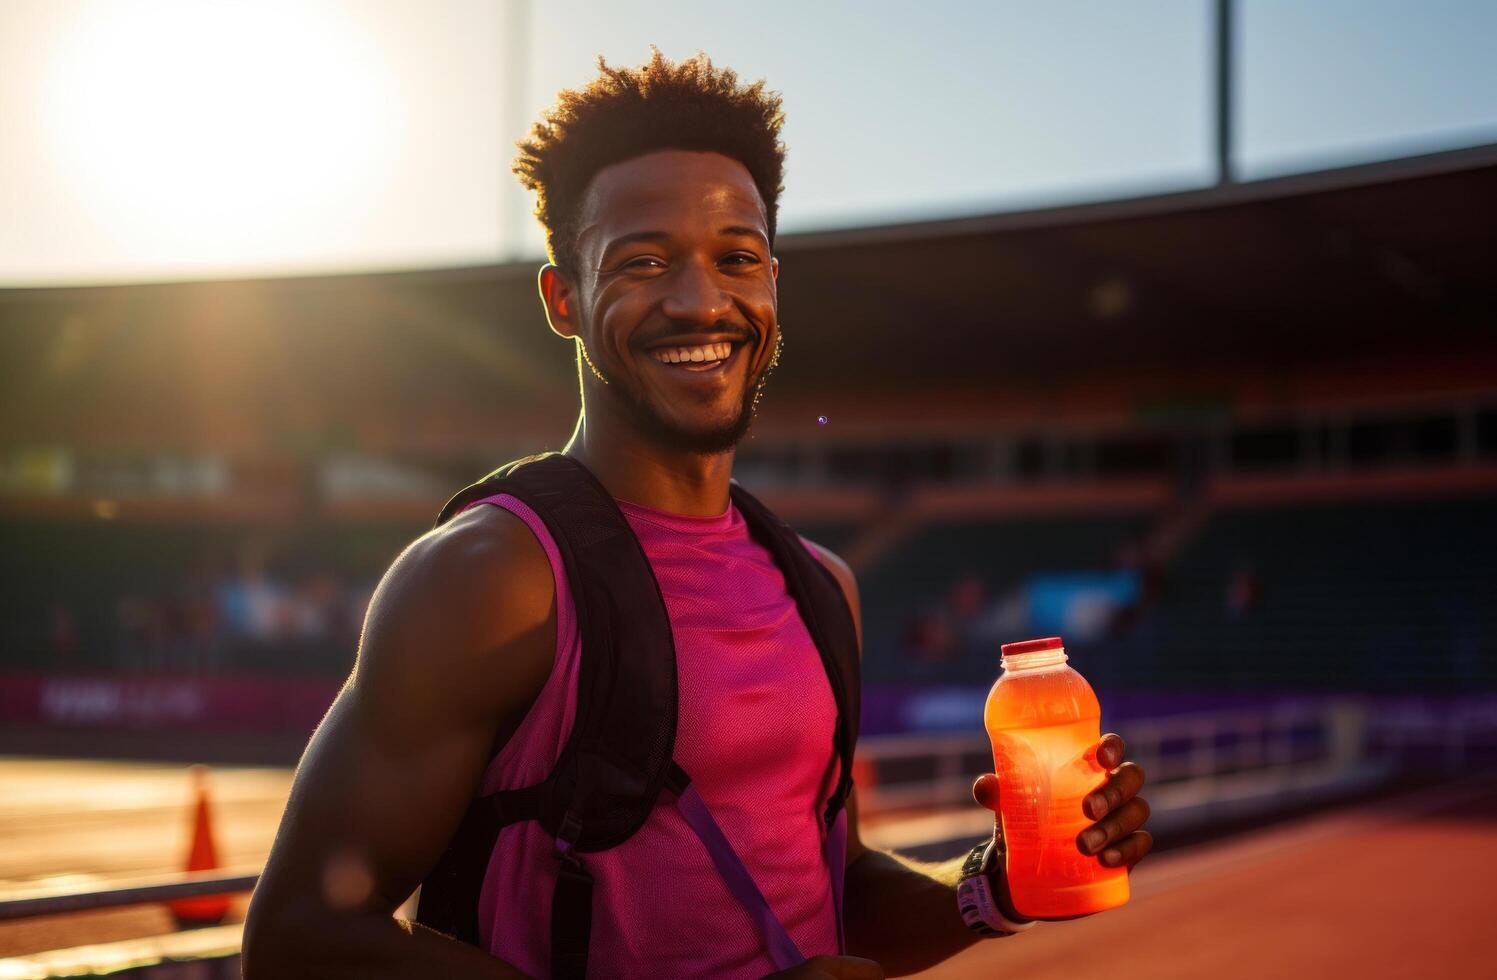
x: 754, y: 730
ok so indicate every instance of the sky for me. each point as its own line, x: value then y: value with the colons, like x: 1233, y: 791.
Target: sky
x: 160, y: 140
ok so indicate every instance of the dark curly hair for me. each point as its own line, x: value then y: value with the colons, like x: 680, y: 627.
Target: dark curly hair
x: 628, y: 112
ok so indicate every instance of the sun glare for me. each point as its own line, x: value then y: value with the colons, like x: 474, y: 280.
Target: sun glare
x: 218, y: 135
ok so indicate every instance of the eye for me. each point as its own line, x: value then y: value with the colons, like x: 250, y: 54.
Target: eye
x: 741, y: 258
x: 642, y: 262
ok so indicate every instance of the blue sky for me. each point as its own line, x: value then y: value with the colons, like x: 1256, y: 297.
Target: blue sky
x: 167, y: 139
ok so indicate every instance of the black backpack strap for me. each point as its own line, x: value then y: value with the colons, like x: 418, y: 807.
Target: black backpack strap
x: 828, y: 618
x: 513, y: 805
x: 823, y: 606
x: 625, y: 725
x: 617, y: 758
x: 571, y: 906
x: 449, y: 894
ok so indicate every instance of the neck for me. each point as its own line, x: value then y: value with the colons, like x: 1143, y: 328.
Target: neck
x: 637, y: 470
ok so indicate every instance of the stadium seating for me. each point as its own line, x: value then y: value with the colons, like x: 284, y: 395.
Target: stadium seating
x: 916, y: 576
x: 176, y: 598
x: 1386, y: 596
x: 1378, y: 595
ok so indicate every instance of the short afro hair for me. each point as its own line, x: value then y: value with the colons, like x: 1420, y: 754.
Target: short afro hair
x: 628, y: 112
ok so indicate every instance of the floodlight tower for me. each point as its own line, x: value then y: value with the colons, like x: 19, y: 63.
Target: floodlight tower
x: 1224, y: 25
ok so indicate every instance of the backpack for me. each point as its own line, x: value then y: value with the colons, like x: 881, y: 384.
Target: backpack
x: 618, y: 758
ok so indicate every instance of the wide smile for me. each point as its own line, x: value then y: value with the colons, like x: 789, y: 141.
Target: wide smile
x: 697, y: 362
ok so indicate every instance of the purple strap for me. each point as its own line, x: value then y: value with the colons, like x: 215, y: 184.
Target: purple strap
x: 835, y: 849
x: 782, y: 949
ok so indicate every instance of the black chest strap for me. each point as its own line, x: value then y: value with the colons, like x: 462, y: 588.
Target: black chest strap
x: 618, y: 758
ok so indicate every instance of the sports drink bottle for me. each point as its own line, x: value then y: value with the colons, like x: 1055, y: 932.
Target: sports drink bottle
x: 1045, y: 723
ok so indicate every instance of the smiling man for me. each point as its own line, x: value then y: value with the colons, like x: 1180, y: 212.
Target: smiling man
x: 604, y: 713
x: 672, y: 368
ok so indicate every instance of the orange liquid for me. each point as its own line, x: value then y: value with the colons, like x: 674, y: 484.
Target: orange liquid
x: 1044, y: 722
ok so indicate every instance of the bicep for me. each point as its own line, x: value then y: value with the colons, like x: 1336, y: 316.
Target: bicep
x: 376, y: 813
x: 454, y: 643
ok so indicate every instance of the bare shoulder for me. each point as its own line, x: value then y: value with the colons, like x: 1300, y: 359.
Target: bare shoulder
x: 458, y: 641
x: 465, y: 616
x: 483, y: 558
x: 843, y: 573
x: 836, y: 566
x: 845, y: 578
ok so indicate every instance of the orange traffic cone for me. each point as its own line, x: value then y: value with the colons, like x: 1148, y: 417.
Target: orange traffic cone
x: 206, y: 910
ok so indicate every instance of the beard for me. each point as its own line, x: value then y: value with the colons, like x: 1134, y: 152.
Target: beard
x: 671, y: 436
x: 700, y: 442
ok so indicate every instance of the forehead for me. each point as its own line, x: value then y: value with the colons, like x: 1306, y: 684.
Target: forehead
x: 675, y: 191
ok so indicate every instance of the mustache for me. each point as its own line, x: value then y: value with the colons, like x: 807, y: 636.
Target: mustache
x: 736, y: 332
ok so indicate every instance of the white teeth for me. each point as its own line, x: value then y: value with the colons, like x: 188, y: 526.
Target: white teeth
x: 706, y: 352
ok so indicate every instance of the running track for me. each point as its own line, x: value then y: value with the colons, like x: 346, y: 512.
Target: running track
x: 1393, y: 889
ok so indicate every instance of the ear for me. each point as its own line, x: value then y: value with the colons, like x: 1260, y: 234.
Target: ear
x: 560, y: 301
x: 774, y: 267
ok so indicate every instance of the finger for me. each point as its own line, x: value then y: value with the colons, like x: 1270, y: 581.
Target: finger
x: 1118, y: 824
x: 1128, y: 851
x: 1122, y: 786
x: 1110, y: 750
x: 985, y: 791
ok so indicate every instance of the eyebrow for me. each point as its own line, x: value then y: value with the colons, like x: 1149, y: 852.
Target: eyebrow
x: 736, y: 231
x: 744, y: 231
x: 636, y: 236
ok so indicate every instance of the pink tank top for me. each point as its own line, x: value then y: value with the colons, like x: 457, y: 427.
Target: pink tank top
x: 754, y: 731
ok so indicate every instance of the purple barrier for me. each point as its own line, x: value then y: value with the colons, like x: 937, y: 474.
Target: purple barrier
x: 901, y: 710
x: 219, y: 704
x: 296, y: 705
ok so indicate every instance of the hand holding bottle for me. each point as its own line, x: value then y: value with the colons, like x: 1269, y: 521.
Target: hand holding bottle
x: 1068, y: 807
x: 1120, y: 813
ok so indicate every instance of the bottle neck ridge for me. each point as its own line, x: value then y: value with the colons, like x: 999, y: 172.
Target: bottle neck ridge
x: 1033, y: 661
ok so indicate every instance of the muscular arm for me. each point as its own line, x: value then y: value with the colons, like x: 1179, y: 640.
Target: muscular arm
x: 458, y: 641
x: 903, y: 913
x: 898, y: 911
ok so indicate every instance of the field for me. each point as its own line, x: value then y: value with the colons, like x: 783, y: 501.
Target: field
x: 1392, y: 888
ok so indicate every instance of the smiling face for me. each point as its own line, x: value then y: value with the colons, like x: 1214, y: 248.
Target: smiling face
x: 674, y: 300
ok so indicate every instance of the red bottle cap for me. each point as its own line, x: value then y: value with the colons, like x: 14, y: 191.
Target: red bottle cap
x: 1032, y: 646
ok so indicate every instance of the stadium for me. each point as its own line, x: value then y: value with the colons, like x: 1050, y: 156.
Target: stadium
x: 1236, y: 443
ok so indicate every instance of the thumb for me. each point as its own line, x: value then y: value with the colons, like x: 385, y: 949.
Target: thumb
x: 985, y: 791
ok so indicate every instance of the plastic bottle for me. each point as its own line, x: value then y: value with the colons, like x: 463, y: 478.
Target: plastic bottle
x: 1045, y: 724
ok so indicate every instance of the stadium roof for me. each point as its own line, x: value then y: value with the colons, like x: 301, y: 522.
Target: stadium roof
x: 1384, y: 257
x: 1297, y: 268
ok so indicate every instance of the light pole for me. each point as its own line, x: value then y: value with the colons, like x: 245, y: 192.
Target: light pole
x: 1224, y: 25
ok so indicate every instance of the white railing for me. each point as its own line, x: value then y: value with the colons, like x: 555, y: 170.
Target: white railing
x: 905, y: 771
x: 1440, y: 737
x: 140, y: 891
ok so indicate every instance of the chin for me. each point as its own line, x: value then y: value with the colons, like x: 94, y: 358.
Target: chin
x: 701, y: 441
x: 680, y: 428
x: 709, y: 442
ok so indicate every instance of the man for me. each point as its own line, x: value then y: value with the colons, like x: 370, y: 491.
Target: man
x: 658, y: 188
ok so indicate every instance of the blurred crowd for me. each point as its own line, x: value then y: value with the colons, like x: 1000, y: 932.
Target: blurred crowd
x: 970, y: 617
x: 248, y: 621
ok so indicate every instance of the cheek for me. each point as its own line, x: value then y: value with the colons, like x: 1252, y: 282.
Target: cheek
x: 760, y: 309
x: 768, y: 326
x: 615, y: 323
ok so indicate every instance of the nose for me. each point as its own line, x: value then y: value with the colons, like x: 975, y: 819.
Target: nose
x: 694, y: 294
